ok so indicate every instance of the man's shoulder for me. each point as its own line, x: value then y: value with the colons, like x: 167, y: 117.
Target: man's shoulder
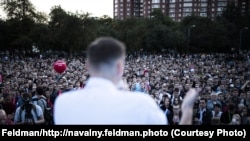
x: 34, y: 97
x: 41, y: 99
x: 69, y: 95
x: 19, y: 108
x: 37, y: 106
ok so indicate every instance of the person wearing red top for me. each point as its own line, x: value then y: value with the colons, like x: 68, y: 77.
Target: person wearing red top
x: 8, y: 105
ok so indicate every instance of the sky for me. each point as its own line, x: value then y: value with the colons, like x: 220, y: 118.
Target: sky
x: 96, y: 8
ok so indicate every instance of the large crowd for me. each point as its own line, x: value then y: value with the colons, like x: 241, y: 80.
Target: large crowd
x: 223, y: 78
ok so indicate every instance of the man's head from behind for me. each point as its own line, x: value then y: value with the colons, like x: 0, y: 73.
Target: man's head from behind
x: 105, y: 58
x: 39, y: 90
x: 26, y: 97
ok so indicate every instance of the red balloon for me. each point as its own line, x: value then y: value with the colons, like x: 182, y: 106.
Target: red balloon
x: 60, y: 66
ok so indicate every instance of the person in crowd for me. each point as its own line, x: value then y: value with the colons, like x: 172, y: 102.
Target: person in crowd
x: 227, y: 116
x: 236, y: 119
x: 214, y: 100
x: 235, y: 96
x: 8, y: 105
x: 217, y: 111
x: 28, y: 113
x: 204, y: 115
x: 245, y: 116
x: 39, y: 98
x: 176, y: 114
x: 221, y: 98
x: 4, y: 120
x: 167, y: 108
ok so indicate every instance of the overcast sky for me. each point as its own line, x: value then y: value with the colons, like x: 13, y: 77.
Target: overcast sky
x: 96, y: 8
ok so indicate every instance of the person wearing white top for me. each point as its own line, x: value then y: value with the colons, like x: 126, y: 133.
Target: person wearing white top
x: 217, y: 111
x: 102, y: 102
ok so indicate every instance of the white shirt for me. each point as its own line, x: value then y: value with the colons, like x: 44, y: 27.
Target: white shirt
x: 201, y: 114
x: 100, y: 102
x: 217, y: 115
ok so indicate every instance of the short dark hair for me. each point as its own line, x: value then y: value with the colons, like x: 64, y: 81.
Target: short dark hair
x: 26, y: 96
x: 39, y: 90
x: 105, y: 50
x: 217, y: 105
x: 203, y: 99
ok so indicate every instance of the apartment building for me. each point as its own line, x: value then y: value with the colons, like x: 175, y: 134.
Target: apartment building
x: 175, y: 9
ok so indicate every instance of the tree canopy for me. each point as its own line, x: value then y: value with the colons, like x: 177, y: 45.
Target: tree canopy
x: 26, y: 28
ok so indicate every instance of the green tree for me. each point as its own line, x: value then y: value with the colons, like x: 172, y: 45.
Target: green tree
x: 157, y: 38
x: 21, y: 15
x: 132, y: 32
x: 177, y: 39
x: 207, y: 36
x: 66, y: 31
x: 18, y: 9
x: 4, y: 34
x: 40, y: 36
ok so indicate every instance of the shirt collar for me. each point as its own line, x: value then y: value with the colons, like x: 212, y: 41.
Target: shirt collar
x: 100, y: 82
x: 203, y: 110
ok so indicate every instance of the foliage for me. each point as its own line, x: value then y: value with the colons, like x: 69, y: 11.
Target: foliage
x: 72, y: 32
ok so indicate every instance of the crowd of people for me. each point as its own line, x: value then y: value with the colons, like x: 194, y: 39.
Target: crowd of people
x: 224, y: 80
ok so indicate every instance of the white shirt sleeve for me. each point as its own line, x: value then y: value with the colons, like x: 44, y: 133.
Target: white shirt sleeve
x: 154, y: 114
